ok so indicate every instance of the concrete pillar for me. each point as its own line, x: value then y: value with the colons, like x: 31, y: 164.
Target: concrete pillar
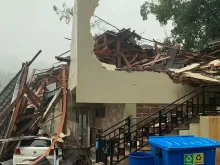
x: 57, y: 119
x: 71, y: 126
x: 130, y: 110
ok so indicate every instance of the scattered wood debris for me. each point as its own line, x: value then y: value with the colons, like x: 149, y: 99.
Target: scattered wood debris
x: 121, y: 49
x: 24, y: 101
x: 197, y: 73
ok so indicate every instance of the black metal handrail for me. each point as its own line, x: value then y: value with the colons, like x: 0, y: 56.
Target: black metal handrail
x: 148, y: 117
x: 103, y: 136
x: 161, y: 122
x: 112, y: 129
x: 115, y: 125
x: 121, y: 140
x: 143, y: 126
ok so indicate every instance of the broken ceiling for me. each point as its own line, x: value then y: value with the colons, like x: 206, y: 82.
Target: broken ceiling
x: 123, y: 50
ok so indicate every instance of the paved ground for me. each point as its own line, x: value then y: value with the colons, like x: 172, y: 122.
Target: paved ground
x: 218, y: 156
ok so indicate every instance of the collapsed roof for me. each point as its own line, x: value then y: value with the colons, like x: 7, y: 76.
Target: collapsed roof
x: 123, y: 49
x: 26, y: 102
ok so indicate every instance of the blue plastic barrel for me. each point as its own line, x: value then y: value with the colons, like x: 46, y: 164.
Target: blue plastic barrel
x: 141, y: 158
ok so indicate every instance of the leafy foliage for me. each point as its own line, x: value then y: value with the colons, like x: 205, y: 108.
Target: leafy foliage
x: 194, y: 21
x: 66, y: 13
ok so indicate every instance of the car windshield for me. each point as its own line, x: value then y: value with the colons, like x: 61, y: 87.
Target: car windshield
x: 35, y: 143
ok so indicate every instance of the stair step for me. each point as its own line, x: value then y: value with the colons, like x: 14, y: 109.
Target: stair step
x: 120, y: 157
x: 146, y: 148
x: 177, y: 129
x: 145, y: 139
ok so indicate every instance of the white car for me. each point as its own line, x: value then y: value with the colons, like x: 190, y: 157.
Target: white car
x: 29, y: 148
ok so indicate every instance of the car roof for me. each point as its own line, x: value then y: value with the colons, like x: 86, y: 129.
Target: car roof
x: 35, y: 137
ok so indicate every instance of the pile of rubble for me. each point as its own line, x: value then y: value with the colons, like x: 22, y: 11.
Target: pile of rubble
x: 197, y: 73
x: 26, y: 102
x: 206, y: 71
x: 124, y: 50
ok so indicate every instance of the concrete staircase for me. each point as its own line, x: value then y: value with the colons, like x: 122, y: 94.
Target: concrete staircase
x: 185, y: 116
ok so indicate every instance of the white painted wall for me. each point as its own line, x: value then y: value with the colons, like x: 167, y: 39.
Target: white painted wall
x: 96, y: 84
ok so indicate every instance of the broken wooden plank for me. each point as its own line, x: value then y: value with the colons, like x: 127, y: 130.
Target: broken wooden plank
x: 30, y: 92
x: 28, y: 116
x: 31, y: 98
x: 106, y: 41
x: 156, y: 48
x: 157, y: 57
x: 24, y: 128
x: 23, y: 105
x: 141, y: 62
x: 133, y: 59
x: 213, y: 52
x: 187, y: 68
x: 18, y: 104
x: 51, y: 105
x: 32, y: 77
x: 126, y: 60
x: 159, y: 60
x: 118, y: 54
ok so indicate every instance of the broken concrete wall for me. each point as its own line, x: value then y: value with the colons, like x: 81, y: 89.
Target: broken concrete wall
x: 96, y: 84
x: 71, y: 126
x: 72, y: 81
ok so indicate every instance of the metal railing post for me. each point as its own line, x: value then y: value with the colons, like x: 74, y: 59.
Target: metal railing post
x: 106, y: 158
x: 129, y: 128
x: 90, y: 136
x: 55, y: 156
x: 98, y: 148
x: 203, y: 100
x: 107, y: 146
x: 112, y: 145
x: 160, y: 120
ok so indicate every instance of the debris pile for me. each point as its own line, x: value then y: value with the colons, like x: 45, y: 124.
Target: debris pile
x: 204, y: 71
x: 197, y: 73
x: 26, y: 102
x: 124, y: 50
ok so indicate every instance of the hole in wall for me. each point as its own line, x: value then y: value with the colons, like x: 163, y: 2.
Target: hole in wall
x: 120, y: 36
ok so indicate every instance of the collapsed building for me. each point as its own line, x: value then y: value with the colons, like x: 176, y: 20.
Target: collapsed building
x: 122, y: 52
x: 121, y: 79
x: 116, y: 82
x: 34, y: 105
x: 28, y: 102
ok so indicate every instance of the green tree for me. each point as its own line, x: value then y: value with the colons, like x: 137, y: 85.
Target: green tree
x: 66, y: 13
x: 194, y: 21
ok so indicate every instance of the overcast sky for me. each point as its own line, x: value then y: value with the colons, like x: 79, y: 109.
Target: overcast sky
x: 27, y: 26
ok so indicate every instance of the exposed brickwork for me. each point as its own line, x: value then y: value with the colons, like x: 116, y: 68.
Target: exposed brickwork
x: 144, y: 110
x: 113, y: 114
